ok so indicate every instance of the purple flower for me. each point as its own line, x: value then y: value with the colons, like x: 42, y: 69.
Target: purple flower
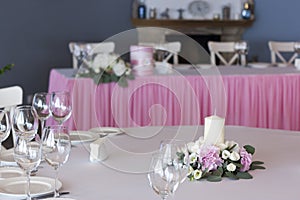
x: 246, y: 160
x: 209, y: 158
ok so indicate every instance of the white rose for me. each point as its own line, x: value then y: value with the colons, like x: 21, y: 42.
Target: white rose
x: 128, y: 71
x: 231, y: 167
x: 225, y: 154
x: 193, y: 158
x: 103, y: 60
x: 119, y: 68
x: 200, y: 141
x: 197, y: 174
x: 230, y: 145
x: 193, y: 147
x: 234, y: 156
x: 191, y: 170
x: 222, y: 146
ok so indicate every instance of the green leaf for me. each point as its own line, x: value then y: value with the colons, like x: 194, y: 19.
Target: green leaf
x: 216, y: 173
x: 130, y: 76
x: 213, y: 178
x: 231, y: 175
x: 250, y: 149
x: 244, y: 175
x: 238, y: 164
x: 254, y: 167
x: 123, y: 82
x: 221, y: 171
x: 6, y: 68
x: 257, y: 163
x: 114, y: 78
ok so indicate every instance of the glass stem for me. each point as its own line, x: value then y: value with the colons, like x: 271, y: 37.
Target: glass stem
x: 56, y: 193
x: 0, y: 152
x: 28, y: 185
x: 42, y: 127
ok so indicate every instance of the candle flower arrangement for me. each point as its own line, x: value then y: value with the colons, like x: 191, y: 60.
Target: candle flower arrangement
x: 212, y: 162
x: 105, y: 68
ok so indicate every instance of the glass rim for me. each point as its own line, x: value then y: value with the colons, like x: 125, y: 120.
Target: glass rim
x: 41, y: 93
x: 60, y: 92
x: 24, y: 107
x: 54, y: 126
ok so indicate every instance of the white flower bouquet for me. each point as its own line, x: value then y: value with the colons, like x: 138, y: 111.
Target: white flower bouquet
x: 105, y: 68
x: 212, y: 162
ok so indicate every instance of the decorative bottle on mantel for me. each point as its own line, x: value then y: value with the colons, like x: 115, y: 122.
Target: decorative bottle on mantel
x: 142, y: 10
x: 246, y: 12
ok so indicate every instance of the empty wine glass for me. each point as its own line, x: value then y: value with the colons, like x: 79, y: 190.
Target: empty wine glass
x: 177, y: 150
x: 163, y: 175
x: 41, y: 106
x: 27, y: 154
x: 60, y: 106
x: 25, y: 124
x: 4, y: 127
x: 56, y: 148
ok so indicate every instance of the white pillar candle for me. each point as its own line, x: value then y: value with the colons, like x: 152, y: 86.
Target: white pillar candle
x: 214, y: 129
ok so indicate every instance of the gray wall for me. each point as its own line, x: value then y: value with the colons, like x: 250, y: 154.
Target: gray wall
x: 35, y: 33
x: 275, y: 20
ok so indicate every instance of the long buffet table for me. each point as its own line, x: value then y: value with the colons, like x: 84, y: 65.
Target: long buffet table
x: 121, y: 175
x: 266, y: 98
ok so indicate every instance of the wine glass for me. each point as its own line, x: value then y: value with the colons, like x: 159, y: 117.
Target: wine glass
x: 41, y: 107
x: 177, y: 150
x: 4, y: 127
x: 163, y: 175
x: 27, y: 154
x: 60, y: 106
x: 56, y: 148
x: 25, y: 124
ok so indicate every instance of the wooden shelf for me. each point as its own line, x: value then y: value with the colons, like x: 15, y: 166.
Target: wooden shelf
x: 173, y: 23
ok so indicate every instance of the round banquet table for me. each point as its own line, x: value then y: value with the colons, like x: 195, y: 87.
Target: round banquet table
x: 122, y: 175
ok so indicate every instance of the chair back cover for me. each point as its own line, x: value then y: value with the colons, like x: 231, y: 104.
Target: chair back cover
x: 10, y: 98
x: 277, y: 48
x: 81, y: 50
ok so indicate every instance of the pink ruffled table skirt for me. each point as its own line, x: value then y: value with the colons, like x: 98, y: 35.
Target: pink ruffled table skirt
x: 255, y: 100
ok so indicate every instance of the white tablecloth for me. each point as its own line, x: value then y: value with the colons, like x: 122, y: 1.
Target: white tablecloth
x: 89, y: 181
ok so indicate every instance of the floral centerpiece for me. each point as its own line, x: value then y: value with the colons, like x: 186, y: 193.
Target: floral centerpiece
x: 212, y: 162
x: 105, y: 68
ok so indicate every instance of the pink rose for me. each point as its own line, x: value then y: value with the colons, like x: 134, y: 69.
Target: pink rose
x: 209, y: 158
x: 246, y: 160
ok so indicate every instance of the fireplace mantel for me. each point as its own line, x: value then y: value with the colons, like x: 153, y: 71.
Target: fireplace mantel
x: 229, y: 30
x: 178, y: 24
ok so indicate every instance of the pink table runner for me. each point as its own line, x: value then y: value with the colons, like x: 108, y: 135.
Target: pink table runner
x: 255, y: 100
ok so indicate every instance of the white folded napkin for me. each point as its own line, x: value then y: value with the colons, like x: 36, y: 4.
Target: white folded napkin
x: 98, y: 150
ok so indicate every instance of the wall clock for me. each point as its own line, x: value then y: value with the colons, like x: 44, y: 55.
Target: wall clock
x: 199, y: 8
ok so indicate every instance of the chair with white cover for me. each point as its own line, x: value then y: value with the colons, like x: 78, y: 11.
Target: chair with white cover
x: 230, y: 50
x: 10, y: 98
x: 171, y: 48
x: 278, y: 49
x: 80, y: 50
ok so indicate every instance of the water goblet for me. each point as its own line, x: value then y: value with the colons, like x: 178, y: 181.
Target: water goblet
x: 56, y: 148
x: 177, y: 152
x: 25, y: 123
x: 4, y: 127
x: 27, y: 154
x: 60, y: 106
x: 163, y: 176
x: 41, y: 107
